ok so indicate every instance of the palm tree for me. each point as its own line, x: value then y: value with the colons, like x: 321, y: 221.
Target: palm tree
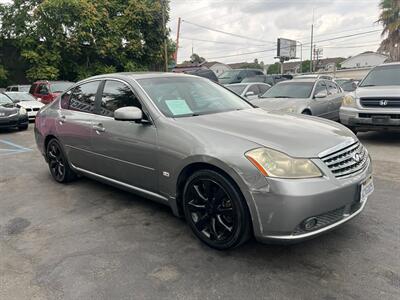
x: 390, y: 19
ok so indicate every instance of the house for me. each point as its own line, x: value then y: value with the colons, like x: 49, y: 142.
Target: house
x: 217, y: 67
x: 363, y: 60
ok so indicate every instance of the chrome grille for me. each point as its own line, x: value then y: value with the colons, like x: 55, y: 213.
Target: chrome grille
x: 380, y: 102
x: 347, y: 161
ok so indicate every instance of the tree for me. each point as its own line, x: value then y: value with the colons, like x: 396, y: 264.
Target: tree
x: 195, y: 58
x: 274, y: 69
x: 390, y: 19
x: 73, y: 39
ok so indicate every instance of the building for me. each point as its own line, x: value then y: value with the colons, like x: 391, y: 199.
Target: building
x: 324, y: 64
x: 217, y: 67
x: 363, y: 60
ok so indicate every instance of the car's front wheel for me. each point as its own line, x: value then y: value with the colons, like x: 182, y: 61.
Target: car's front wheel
x: 215, y: 210
x: 58, y: 165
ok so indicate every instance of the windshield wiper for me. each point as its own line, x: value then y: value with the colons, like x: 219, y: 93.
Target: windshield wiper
x: 282, y: 97
x: 367, y: 85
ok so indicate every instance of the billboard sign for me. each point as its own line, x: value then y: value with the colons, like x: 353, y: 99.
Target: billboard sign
x: 286, y: 48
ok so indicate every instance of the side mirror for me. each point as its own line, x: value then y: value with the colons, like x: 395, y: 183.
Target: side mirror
x: 320, y: 95
x: 248, y: 94
x: 128, y: 113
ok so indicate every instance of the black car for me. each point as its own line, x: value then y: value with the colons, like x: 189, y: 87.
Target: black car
x: 206, y: 73
x: 12, y: 116
x: 237, y: 75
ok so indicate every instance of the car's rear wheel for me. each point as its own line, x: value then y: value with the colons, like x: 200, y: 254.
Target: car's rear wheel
x: 23, y: 127
x: 306, y: 112
x: 58, y: 165
x: 215, y: 210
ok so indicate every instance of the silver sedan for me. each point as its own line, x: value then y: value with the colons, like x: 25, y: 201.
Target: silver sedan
x: 250, y: 91
x: 316, y: 97
x: 230, y: 169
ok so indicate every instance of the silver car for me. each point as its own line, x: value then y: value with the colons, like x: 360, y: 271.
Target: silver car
x: 316, y: 97
x: 250, y: 91
x: 375, y: 104
x: 232, y: 170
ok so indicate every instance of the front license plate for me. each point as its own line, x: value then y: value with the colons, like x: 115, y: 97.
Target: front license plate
x: 367, y: 188
x: 380, y: 119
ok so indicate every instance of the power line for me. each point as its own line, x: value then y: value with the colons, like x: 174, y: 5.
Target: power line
x: 274, y: 49
x: 227, y: 33
x: 218, y: 42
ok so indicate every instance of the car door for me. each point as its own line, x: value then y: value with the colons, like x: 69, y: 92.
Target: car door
x: 263, y: 88
x: 320, y: 106
x: 335, y: 96
x: 125, y: 151
x: 74, y: 124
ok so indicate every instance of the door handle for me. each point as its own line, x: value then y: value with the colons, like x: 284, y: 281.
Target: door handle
x: 99, y: 128
x: 61, y: 120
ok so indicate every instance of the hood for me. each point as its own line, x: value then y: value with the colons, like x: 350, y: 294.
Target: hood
x: 30, y: 104
x: 378, y: 91
x: 279, y: 104
x: 7, y: 111
x: 295, y: 135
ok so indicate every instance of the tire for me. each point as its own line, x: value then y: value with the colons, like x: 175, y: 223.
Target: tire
x: 58, y: 164
x: 306, y: 112
x: 354, y: 130
x: 23, y: 127
x: 222, y: 223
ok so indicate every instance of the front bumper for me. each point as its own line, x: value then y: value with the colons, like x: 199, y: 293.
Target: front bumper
x: 283, y: 205
x: 370, y: 119
x: 13, y: 121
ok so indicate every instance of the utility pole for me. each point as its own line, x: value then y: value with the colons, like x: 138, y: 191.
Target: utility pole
x: 312, y: 41
x: 177, y: 40
x: 163, y: 7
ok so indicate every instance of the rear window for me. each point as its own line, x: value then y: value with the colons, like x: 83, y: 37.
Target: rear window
x: 237, y: 89
x: 59, y: 87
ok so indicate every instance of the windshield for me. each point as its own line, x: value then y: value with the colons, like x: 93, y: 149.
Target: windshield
x: 59, y: 87
x: 229, y: 74
x: 290, y: 89
x: 383, y: 75
x: 5, y: 101
x: 21, y: 96
x: 182, y: 97
x: 237, y: 89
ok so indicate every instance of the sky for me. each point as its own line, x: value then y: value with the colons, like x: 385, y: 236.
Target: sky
x: 261, y: 22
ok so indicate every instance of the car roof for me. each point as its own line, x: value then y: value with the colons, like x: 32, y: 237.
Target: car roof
x: 313, y: 80
x: 51, y: 81
x: 390, y: 64
x: 143, y: 75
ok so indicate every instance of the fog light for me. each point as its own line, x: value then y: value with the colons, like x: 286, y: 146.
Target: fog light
x: 310, y: 223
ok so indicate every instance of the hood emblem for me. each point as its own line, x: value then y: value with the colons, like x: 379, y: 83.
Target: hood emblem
x: 357, y: 157
x: 383, y: 103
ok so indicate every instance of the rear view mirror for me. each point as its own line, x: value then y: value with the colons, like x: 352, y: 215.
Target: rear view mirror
x: 320, y: 95
x: 128, y: 113
x: 250, y: 93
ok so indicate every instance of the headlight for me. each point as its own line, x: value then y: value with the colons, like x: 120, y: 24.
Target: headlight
x: 22, y: 111
x: 349, y: 101
x: 272, y: 163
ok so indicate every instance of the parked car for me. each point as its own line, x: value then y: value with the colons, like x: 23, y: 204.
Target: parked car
x: 232, y: 170
x: 316, y: 97
x: 250, y: 91
x: 26, y: 101
x: 12, y: 116
x: 206, y: 73
x: 47, y: 91
x: 375, y: 104
x: 18, y: 88
x: 347, y: 84
x: 237, y: 75
x: 314, y: 76
x: 268, y: 79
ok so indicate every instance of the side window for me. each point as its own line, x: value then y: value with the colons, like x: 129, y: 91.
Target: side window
x: 14, y: 89
x: 65, y: 99
x: 8, y: 89
x: 242, y: 74
x: 32, y: 89
x: 83, y: 97
x: 43, y: 89
x: 116, y: 95
x: 259, y: 73
x: 321, y: 86
x: 332, y: 88
x: 263, y: 88
x: 254, y: 88
x: 251, y: 73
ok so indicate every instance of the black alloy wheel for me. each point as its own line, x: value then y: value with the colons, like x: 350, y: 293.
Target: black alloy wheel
x: 215, y: 210
x: 58, y: 164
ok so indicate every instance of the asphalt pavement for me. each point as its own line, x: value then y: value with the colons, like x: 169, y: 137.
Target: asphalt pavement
x: 86, y: 240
